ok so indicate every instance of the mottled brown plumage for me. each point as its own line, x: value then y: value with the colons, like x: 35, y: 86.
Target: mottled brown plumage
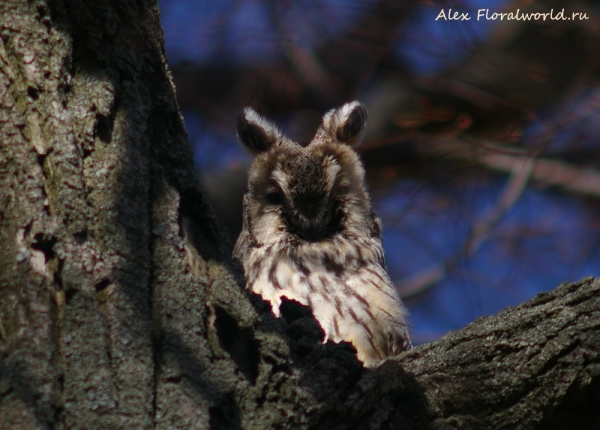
x: 310, y: 234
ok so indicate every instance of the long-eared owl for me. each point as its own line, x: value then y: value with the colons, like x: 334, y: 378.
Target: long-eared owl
x: 310, y: 233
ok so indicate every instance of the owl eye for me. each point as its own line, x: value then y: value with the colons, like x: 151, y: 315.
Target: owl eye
x: 275, y: 197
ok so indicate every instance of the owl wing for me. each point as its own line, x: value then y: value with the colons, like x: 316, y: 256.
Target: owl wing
x: 384, y: 315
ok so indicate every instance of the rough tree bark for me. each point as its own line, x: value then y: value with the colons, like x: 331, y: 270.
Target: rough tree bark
x: 120, y: 306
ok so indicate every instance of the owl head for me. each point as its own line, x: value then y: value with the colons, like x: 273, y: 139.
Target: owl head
x: 309, y: 193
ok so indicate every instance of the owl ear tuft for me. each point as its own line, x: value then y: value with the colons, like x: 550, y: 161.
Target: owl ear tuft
x: 347, y: 124
x: 255, y: 132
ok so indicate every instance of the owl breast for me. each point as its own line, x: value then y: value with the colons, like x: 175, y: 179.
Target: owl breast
x: 346, y: 286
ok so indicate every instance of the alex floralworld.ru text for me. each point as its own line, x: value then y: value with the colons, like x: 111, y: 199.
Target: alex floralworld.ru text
x: 485, y: 14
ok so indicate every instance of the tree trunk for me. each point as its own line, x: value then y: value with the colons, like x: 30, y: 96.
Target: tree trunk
x: 121, y: 308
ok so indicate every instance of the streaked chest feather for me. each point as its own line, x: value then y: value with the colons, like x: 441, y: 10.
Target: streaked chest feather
x: 343, y: 281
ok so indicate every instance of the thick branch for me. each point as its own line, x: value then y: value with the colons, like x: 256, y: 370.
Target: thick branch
x: 533, y: 366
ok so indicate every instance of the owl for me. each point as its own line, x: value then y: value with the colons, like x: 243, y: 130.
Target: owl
x: 310, y: 235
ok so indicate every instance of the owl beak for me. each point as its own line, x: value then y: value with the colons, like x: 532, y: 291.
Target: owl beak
x: 307, y: 230
x: 305, y: 220
x: 309, y: 211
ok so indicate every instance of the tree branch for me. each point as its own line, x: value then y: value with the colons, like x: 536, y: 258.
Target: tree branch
x: 547, y: 172
x: 536, y: 365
